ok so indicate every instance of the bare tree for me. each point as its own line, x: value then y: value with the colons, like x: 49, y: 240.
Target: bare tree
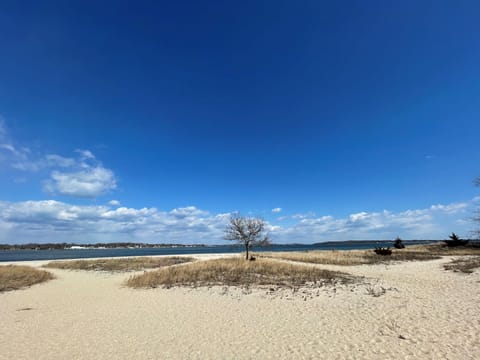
x: 247, y: 231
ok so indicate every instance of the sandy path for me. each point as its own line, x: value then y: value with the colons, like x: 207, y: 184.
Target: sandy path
x: 85, y: 315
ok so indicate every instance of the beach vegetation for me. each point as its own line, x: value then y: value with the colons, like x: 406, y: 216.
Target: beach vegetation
x: 14, y: 277
x: 351, y: 257
x: 398, y: 243
x: 383, y: 251
x: 465, y: 265
x: 119, y: 264
x: 455, y: 241
x: 236, y: 271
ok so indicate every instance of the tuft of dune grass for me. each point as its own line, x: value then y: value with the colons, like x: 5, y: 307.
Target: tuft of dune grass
x: 237, y: 272
x: 119, y: 264
x: 14, y: 277
x: 466, y: 265
x: 351, y: 257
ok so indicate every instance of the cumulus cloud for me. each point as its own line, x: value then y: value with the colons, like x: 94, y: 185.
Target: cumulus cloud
x: 88, y: 180
x: 51, y: 220
x: 277, y: 210
x: 114, y: 203
x: 82, y: 176
x: 430, y: 223
x: 89, y: 183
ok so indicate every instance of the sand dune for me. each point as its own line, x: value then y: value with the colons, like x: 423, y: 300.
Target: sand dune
x: 425, y: 312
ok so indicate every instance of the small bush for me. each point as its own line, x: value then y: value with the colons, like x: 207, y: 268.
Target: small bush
x: 455, y: 241
x: 14, y: 277
x: 383, y: 251
x: 398, y: 244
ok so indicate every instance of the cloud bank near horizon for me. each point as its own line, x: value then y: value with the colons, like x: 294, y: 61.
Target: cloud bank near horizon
x: 55, y: 221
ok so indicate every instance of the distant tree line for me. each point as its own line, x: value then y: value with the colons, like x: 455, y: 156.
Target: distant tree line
x: 62, y: 246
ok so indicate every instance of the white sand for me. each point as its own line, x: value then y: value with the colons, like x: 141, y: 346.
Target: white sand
x: 86, y: 315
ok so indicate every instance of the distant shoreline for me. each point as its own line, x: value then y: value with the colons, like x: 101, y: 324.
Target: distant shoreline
x: 129, y: 245
x: 74, y: 246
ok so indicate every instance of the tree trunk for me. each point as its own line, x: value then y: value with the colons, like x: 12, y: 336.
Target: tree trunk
x: 246, y: 251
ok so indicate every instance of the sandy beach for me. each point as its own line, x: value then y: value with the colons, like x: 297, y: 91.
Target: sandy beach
x: 420, y: 311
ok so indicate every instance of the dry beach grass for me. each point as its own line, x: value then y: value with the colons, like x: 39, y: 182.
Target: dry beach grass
x: 14, y: 277
x: 237, y: 272
x: 119, y: 264
x: 466, y: 265
x: 351, y: 257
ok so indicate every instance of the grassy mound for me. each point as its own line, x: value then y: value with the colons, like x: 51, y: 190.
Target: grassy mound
x: 350, y: 257
x: 119, y: 264
x: 237, y: 272
x: 14, y: 277
x: 444, y: 250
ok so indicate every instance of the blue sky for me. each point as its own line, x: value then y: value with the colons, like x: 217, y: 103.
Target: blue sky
x: 153, y: 121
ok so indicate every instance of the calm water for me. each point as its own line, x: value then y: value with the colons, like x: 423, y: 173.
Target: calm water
x: 24, y: 255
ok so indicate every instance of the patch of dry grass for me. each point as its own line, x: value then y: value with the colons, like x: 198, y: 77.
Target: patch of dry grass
x: 119, y: 264
x: 351, y: 257
x: 443, y: 250
x: 237, y: 272
x: 466, y: 265
x: 14, y: 277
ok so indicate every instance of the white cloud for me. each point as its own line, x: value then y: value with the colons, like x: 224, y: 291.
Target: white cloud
x: 309, y: 214
x: 276, y: 210
x: 83, y: 176
x: 89, y: 183
x: 114, y: 203
x: 189, y: 211
x: 85, y: 154
x: 24, y: 161
x: 435, y: 222
x: 451, y: 208
x: 52, y: 220
x: 53, y: 160
x: 86, y: 178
